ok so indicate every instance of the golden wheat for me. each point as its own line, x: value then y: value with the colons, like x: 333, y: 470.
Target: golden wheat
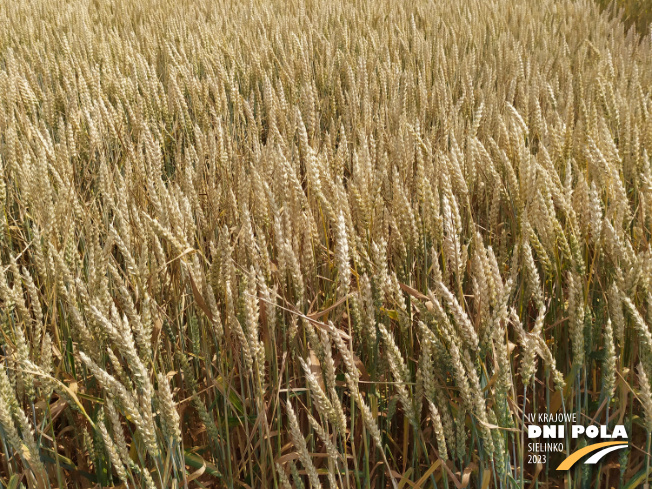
x: 306, y: 244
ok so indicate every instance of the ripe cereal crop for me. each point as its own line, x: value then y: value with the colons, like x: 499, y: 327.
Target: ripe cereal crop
x: 342, y: 243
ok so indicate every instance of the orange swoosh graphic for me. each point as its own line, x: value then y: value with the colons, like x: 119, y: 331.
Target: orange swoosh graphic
x: 575, y: 456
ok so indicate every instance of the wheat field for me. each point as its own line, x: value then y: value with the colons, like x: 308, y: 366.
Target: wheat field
x: 306, y: 244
